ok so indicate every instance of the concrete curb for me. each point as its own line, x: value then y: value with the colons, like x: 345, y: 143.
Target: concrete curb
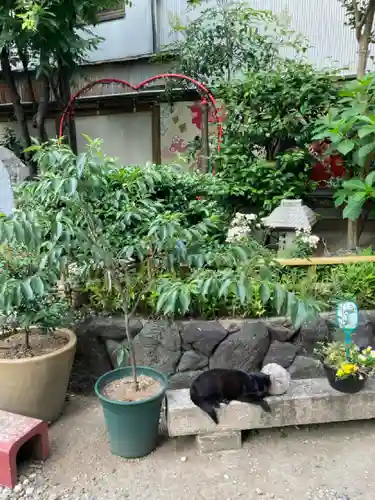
x: 310, y: 401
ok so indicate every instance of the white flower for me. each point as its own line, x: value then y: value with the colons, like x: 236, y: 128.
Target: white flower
x: 251, y: 217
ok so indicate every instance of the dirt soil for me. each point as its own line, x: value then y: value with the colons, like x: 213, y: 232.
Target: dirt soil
x: 13, y: 347
x: 123, y: 389
x: 328, y: 462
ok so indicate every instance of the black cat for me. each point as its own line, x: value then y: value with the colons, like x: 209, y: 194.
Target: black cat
x: 221, y: 385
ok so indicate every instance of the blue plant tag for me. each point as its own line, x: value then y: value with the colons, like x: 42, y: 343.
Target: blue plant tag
x: 347, y: 320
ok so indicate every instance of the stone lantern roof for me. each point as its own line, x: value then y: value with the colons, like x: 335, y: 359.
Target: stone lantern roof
x: 291, y: 215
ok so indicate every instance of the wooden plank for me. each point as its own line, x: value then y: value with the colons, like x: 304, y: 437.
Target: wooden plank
x: 327, y: 261
x: 156, y: 134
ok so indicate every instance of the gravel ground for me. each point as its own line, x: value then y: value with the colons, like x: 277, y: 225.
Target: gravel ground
x: 331, y: 462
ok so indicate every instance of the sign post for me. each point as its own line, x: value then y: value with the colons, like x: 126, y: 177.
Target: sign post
x: 347, y: 320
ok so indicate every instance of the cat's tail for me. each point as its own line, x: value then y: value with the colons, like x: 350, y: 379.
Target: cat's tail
x: 209, y: 408
x: 205, y: 405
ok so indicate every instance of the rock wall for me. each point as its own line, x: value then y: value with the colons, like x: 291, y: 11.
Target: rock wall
x: 184, y: 349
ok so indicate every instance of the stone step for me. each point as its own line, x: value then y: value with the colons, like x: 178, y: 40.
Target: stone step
x: 310, y: 401
x: 15, y: 431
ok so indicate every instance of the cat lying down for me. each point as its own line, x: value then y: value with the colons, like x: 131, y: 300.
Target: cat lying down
x: 222, y: 385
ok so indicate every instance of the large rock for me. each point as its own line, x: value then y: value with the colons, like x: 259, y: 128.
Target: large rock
x: 202, y: 336
x: 231, y: 326
x: 281, y: 353
x: 158, y: 345
x: 111, y: 327
x: 117, y: 353
x: 183, y: 380
x: 281, y: 329
x: 311, y: 333
x: 191, y: 361
x: 244, y: 350
x: 304, y: 367
x: 17, y: 170
x: 91, y: 361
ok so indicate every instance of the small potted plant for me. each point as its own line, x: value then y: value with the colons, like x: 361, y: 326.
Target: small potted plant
x: 36, y: 353
x: 346, y: 365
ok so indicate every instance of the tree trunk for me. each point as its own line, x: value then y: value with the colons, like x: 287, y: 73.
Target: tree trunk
x: 43, y: 108
x: 25, y: 64
x: 64, y: 83
x: 363, y: 55
x: 16, y: 101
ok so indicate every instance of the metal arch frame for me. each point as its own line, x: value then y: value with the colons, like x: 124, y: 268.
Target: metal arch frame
x: 138, y: 87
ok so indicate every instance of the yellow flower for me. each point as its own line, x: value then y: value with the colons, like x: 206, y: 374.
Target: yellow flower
x: 349, y: 368
x: 340, y: 372
x: 373, y: 354
x: 361, y: 357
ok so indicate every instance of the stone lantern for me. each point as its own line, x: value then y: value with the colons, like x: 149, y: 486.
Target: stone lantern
x: 289, y: 217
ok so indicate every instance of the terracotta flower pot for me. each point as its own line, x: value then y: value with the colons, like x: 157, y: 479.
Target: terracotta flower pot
x: 36, y: 387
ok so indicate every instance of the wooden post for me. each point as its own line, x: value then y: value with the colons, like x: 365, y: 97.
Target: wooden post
x: 155, y: 133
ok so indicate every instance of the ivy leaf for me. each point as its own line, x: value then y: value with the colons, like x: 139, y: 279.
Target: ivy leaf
x: 354, y: 184
x: 279, y: 298
x: 71, y: 186
x: 299, y: 314
x: 370, y: 178
x: 365, y: 131
x: 17, y: 295
x: 37, y: 285
x: 185, y: 300
x: 108, y: 280
x: 206, y: 286
x: 291, y: 301
x: 57, y: 229
x: 224, y: 289
x: 353, y: 209
x: 241, y: 292
x: 345, y: 147
x: 27, y: 291
x: 170, y: 303
x: 365, y: 150
x: 19, y: 231
x: 265, y: 293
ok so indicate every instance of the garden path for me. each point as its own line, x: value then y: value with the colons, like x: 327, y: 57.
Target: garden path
x: 332, y: 462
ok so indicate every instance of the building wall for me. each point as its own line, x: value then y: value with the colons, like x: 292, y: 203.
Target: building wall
x: 322, y: 21
x: 126, y: 37
x: 126, y: 136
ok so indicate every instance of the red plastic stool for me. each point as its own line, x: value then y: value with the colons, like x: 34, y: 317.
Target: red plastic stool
x: 16, y: 430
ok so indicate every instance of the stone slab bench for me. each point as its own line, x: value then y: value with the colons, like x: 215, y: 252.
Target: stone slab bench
x: 310, y: 401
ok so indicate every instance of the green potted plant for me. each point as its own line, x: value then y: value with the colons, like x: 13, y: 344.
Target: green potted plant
x: 36, y: 353
x: 346, y: 365
x: 119, y: 231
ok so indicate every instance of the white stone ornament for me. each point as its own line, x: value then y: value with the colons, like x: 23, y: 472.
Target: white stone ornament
x: 280, y: 378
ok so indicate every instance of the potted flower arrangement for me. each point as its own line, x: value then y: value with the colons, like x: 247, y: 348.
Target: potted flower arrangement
x: 141, y: 250
x: 36, y: 353
x: 346, y: 365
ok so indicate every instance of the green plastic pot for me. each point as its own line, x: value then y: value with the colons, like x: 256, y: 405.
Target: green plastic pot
x: 132, y: 427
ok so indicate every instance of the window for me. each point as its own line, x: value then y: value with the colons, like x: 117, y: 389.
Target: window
x: 116, y: 12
